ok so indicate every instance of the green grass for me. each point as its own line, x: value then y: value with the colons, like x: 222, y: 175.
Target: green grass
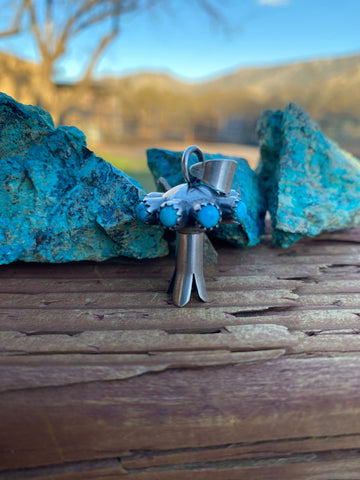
x: 126, y: 163
x: 135, y: 168
x: 144, y: 178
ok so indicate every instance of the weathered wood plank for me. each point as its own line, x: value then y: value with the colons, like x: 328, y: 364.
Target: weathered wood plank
x: 292, y: 259
x: 258, y: 450
x: 351, y: 235
x: 90, y: 471
x: 347, y: 300
x: 304, y: 467
x: 330, y: 286
x: 278, y: 399
x: 200, y: 320
x: 152, y: 270
x: 82, y: 270
x: 233, y: 338
x: 303, y: 319
x: 142, y: 284
x: 253, y: 459
x: 71, y: 300
x: 20, y: 373
x: 260, y: 382
x: 315, y: 466
x: 348, y: 341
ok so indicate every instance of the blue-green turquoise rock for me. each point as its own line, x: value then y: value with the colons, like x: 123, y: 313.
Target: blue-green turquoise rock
x: 58, y: 201
x: 241, y: 211
x: 167, y: 164
x: 311, y: 184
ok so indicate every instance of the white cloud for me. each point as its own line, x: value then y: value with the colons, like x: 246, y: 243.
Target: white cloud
x: 273, y: 3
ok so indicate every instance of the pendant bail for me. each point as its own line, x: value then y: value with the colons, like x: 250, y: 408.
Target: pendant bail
x: 185, y: 162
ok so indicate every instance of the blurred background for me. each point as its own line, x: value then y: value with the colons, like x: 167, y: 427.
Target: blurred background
x: 134, y: 74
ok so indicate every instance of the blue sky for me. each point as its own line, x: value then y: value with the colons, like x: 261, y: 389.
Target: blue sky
x: 181, y: 39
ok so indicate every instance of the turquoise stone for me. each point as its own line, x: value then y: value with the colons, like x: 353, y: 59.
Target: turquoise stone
x: 208, y: 216
x: 59, y: 202
x: 240, y: 211
x: 311, y: 184
x: 168, y: 216
x: 141, y: 212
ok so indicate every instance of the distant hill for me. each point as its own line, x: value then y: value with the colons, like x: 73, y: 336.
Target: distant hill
x: 323, y: 87
x: 329, y: 89
x: 299, y: 74
x: 148, y: 79
x: 303, y: 78
x: 18, y: 77
x: 224, y: 108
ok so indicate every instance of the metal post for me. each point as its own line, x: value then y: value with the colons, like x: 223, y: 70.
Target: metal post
x: 189, y: 267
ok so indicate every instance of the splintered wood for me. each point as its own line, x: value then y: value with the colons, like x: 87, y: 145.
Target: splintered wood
x: 102, y: 377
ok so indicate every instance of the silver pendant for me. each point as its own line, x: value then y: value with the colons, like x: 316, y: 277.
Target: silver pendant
x: 201, y: 204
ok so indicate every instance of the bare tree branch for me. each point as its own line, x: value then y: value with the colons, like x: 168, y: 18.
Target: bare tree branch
x: 16, y: 24
x: 49, y: 24
x: 66, y: 30
x: 106, y: 40
x: 55, y: 23
x: 35, y: 27
x: 214, y: 11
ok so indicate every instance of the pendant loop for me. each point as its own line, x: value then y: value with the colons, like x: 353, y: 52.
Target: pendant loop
x: 185, y: 162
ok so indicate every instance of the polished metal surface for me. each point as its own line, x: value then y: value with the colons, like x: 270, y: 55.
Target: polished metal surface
x: 185, y: 161
x: 189, y: 268
x: 218, y: 174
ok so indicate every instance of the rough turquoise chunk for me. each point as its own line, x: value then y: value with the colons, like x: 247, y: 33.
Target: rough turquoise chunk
x: 311, y: 184
x: 166, y: 164
x: 58, y: 201
x: 141, y: 212
x: 241, y: 211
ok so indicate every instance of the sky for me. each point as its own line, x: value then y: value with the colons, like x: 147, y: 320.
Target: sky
x: 178, y: 37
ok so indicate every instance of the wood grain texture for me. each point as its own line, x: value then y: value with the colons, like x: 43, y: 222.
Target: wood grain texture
x: 101, y: 377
